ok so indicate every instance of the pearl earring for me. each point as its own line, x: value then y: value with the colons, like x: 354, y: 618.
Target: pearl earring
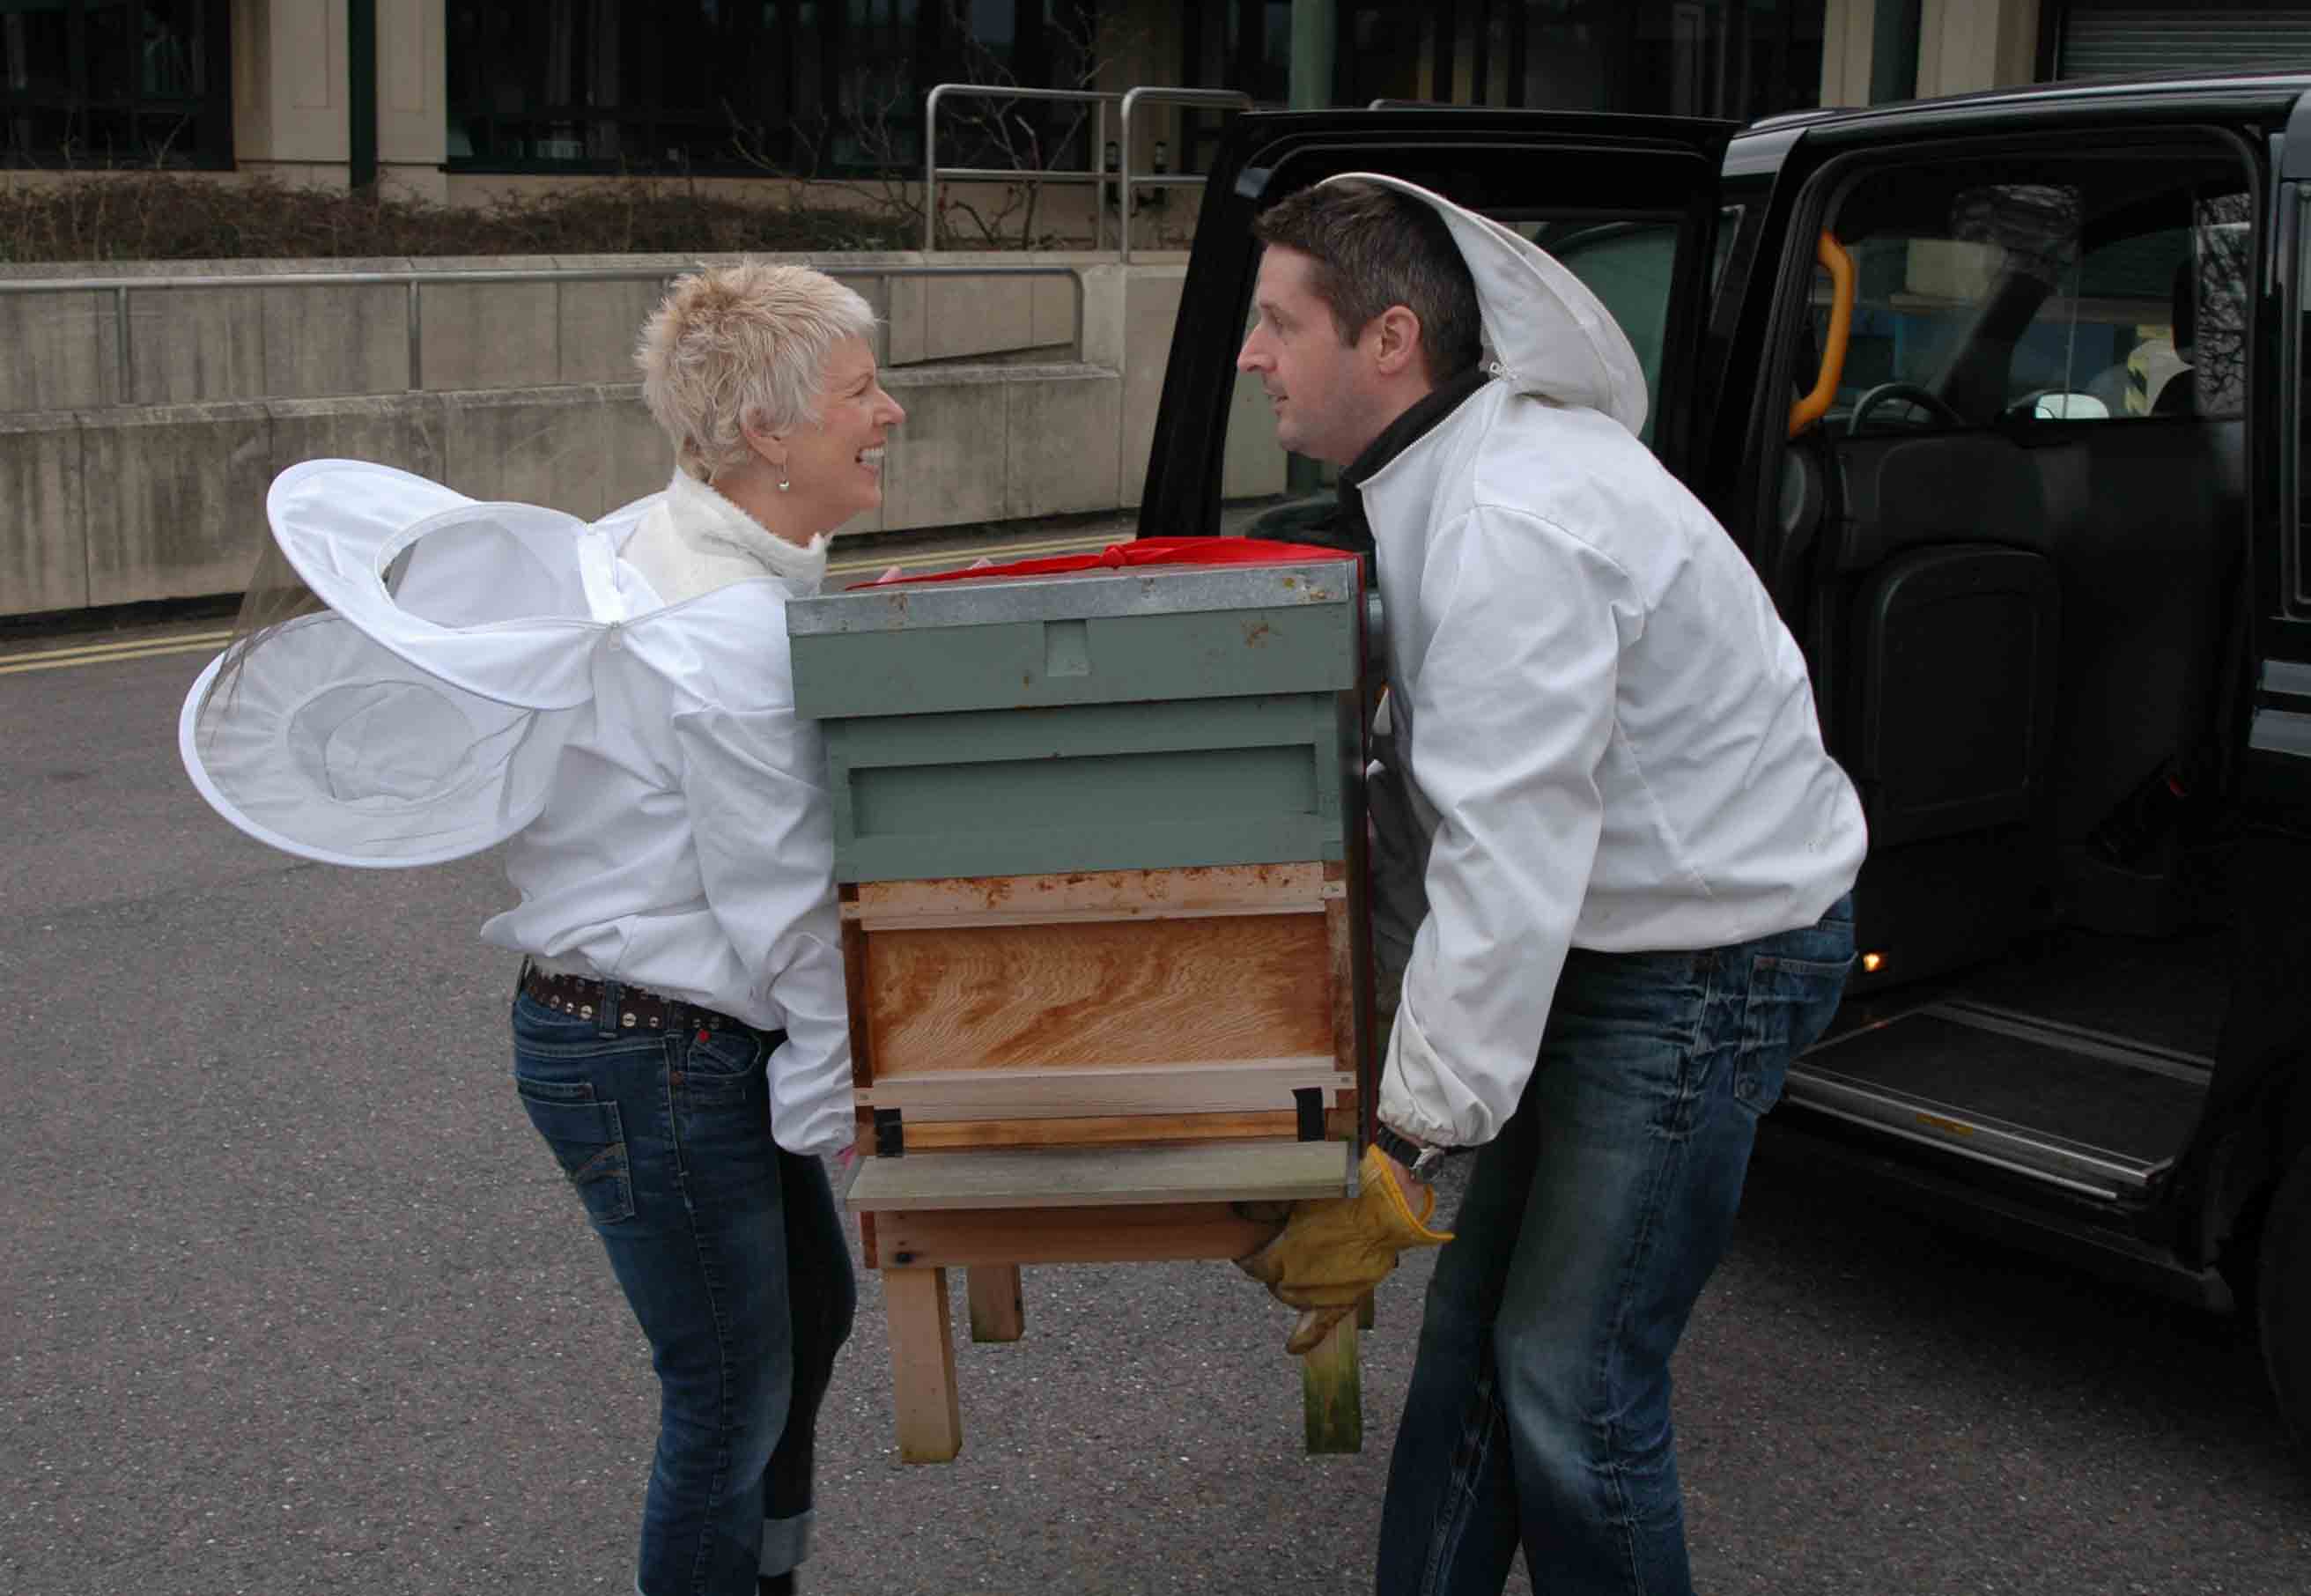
x: 783, y: 484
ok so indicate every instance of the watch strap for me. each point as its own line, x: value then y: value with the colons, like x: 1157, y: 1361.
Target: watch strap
x: 1403, y: 1149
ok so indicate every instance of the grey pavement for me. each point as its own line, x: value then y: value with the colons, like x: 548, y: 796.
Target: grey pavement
x: 295, y: 1302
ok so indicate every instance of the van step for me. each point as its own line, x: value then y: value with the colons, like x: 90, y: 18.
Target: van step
x: 2073, y: 1108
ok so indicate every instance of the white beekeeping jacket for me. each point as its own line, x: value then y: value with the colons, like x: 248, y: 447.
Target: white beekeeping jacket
x: 1606, y: 737
x: 495, y: 673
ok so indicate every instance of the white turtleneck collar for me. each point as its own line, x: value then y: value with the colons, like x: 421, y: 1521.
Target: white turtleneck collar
x: 695, y: 540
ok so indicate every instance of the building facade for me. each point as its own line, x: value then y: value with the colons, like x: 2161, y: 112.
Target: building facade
x: 448, y: 99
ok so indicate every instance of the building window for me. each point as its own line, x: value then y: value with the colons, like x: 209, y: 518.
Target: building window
x: 1739, y: 59
x: 116, y: 83
x: 1387, y: 50
x: 878, y: 92
x: 803, y: 86
x: 609, y: 85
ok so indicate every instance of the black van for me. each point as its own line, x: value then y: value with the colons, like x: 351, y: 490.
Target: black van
x: 2005, y: 397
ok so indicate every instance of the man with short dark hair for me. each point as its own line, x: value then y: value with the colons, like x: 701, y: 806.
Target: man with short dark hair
x: 1612, y: 870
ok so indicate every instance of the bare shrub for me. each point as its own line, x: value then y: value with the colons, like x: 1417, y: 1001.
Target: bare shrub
x: 989, y: 132
x: 156, y: 215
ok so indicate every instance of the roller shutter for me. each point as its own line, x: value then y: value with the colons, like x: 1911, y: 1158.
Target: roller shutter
x: 2102, y: 37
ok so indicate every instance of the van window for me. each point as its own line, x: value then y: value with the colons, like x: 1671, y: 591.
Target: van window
x: 2082, y: 292
x: 1628, y: 265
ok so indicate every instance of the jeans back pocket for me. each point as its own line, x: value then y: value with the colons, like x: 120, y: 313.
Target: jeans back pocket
x: 588, y: 1140
x: 723, y: 1066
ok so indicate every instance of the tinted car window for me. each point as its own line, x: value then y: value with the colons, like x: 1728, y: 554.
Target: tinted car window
x: 2040, y: 291
x: 1628, y: 265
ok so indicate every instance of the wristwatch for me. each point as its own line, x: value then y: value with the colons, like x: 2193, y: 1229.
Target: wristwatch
x: 1421, y: 1161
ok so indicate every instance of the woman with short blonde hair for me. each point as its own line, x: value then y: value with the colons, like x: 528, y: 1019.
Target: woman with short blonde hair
x: 685, y: 868
x: 613, y: 703
x: 738, y: 342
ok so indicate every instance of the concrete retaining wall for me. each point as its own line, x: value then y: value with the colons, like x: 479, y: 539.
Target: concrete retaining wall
x: 191, y: 345
x: 527, y: 394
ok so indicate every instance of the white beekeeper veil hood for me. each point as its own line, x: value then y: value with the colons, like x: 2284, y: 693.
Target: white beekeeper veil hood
x: 420, y: 718
x: 1546, y: 332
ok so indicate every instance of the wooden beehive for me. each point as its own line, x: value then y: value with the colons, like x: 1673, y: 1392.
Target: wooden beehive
x: 1099, y: 842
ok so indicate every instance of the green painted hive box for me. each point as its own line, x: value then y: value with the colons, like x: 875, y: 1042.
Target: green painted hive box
x: 1146, y: 717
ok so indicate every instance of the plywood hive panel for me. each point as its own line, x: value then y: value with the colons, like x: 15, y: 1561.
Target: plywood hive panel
x: 1098, y: 995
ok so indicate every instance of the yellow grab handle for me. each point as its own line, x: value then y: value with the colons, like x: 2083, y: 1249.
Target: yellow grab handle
x: 1810, y: 409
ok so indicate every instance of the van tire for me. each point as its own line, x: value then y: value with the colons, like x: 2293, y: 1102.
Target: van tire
x: 2282, y: 1308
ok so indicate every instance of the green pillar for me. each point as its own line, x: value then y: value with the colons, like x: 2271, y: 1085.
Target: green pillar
x: 360, y: 93
x: 1314, y: 23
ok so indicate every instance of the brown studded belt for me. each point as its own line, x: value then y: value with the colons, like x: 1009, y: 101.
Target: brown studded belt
x: 638, y: 1009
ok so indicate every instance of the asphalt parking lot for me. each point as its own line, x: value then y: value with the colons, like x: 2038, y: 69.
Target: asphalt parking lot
x: 295, y: 1302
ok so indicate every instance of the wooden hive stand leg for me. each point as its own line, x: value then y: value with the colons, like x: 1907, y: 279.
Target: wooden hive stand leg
x: 997, y: 1309
x: 1331, y: 1390
x: 922, y: 1364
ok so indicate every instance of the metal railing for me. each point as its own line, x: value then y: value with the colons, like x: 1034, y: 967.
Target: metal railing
x: 120, y: 288
x: 1098, y: 100
x: 1223, y: 99
x: 1095, y: 174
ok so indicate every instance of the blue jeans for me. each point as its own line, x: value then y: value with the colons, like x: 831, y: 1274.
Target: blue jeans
x: 733, y: 1259
x: 1539, y: 1413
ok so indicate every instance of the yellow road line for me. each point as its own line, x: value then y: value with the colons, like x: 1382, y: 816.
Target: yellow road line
x: 99, y: 651
x: 143, y: 651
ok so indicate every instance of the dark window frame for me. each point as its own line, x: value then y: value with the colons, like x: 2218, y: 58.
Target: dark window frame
x: 806, y: 86
x: 1744, y: 54
x: 201, y: 138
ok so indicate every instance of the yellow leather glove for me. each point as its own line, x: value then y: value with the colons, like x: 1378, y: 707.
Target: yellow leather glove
x: 1330, y: 1252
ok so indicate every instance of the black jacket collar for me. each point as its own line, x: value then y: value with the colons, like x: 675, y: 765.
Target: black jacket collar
x: 1410, y: 428
x: 1341, y: 525
x: 1349, y: 528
